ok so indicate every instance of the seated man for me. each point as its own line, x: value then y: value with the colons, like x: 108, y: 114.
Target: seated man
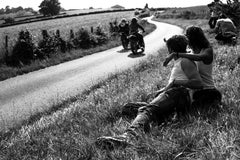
x: 225, y: 29
x: 175, y: 96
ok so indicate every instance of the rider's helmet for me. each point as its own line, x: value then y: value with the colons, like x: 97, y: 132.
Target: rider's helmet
x: 123, y: 22
x: 134, y: 20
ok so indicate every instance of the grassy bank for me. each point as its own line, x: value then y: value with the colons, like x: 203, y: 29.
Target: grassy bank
x: 8, y: 71
x: 70, y: 132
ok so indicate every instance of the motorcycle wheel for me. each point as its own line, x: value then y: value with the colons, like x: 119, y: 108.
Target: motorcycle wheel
x: 125, y: 44
x: 134, y: 48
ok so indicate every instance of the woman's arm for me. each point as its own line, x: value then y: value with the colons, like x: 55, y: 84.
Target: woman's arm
x: 206, y: 56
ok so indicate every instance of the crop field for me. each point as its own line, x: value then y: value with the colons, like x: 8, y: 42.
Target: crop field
x: 77, y: 11
x: 187, y: 13
x: 64, y: 25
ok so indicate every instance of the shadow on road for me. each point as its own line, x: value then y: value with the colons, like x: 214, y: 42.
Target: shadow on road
x: 123, y: 51
x: 139, y: 54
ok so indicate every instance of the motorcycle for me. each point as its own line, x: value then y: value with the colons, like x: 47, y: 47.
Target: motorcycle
x: 124, y: 40
x: 135, y: 44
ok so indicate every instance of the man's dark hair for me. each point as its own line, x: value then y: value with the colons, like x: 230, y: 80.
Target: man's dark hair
x: 177, y: 43
x: 196, y: 38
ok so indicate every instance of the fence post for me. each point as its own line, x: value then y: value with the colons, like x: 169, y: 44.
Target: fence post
x: 91, y: 29
x: 6, y: 46
x: 58, y: 33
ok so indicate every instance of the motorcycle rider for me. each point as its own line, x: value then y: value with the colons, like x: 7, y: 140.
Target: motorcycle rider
x: 134, y: 26
x: 124, y: 30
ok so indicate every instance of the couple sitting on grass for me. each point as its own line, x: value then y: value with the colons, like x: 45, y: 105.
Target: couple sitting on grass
x: 190, y: 84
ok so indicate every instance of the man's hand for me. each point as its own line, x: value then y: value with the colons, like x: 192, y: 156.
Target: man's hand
x: 168, y: 59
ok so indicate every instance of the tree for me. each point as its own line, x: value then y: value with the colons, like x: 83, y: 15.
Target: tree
x: 50, y: 7
x: 7, y: 9
x: 231, y: 9
x: 146, y: 6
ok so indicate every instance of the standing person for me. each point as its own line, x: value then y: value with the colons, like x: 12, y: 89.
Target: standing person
x: 175, y: 96
x: 213, y: 19
x: 204, y: 58
x: 215, y: 8
x: 124, y: 32
x: 134, y: 26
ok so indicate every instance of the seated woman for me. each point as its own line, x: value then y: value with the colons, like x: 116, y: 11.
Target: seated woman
x: 175, y: 96
x: 203, y: 55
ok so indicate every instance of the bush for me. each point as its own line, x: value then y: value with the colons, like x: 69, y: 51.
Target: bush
x: 60, y: 42
x: 113, y: 27
x: 136, y: 13
x: 23, y: 50
x: 101, y: 36
x: 47, y: 46
x: 188, y: 15
x: 83, y: 38
x: 9, y: 20
x: 230, y: 9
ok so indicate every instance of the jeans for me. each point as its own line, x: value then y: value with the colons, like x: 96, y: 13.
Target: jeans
x: 174, y: 99
x: 206, y: 98
x: 212, y: 22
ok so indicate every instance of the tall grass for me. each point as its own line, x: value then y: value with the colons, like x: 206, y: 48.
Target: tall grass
x: 70, y: 132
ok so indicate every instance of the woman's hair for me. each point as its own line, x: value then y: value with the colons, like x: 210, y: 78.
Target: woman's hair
x: 196, y: 38
x: 177, y: 43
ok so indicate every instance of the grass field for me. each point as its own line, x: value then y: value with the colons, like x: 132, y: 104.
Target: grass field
x: 64, y: 25
x: 201, y: 12
x: 69, y: 132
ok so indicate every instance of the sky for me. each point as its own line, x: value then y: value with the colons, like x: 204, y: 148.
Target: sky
x: 79, y: 4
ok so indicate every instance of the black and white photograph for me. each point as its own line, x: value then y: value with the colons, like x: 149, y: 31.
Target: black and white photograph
x: 119, y: 80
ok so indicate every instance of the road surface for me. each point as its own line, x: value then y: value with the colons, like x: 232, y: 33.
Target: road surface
x: 37, y: 91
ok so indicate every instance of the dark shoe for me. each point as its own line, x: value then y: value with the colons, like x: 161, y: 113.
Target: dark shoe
x: 111, y: 143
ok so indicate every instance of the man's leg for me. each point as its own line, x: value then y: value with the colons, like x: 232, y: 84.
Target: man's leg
x: 175, y: 99
x: 159, y: 109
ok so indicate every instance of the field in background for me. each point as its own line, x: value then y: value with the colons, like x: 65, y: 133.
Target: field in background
x: 78, y: 11
x: 64, y: 25
x: 201, y: 12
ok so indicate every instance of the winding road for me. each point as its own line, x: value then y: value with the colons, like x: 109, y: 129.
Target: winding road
x: 25, y: 95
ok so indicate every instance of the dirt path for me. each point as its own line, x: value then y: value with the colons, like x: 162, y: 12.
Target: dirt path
x: 28, y: 94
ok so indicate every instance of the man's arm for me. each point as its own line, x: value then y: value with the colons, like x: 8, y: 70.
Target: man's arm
x: 139, y: 26
x: 194, y: 80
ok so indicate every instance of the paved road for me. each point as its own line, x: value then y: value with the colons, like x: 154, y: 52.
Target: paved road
x: 25, y: 95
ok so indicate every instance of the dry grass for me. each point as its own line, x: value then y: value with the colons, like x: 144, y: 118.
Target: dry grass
x: 70, y: 132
